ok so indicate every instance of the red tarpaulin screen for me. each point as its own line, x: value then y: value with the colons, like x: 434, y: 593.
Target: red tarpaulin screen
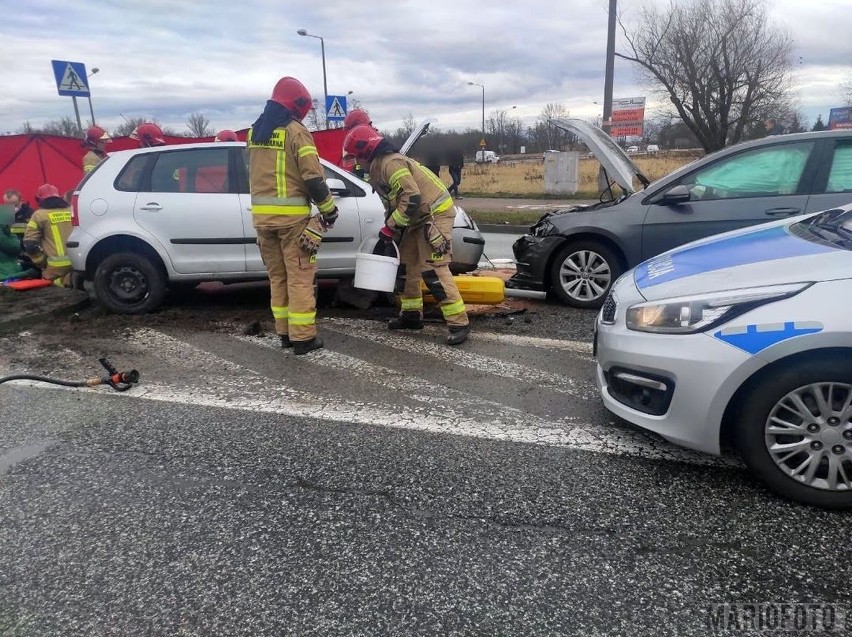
x: 28, y: 161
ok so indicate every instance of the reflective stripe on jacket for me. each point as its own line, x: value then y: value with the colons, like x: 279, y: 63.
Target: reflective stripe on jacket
x: 398, y: 177
x: 50, y: 230
x: 278, y: 171
x: 92, y: 159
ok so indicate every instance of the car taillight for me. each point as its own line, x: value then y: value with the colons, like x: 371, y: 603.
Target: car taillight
x: 75, y: 217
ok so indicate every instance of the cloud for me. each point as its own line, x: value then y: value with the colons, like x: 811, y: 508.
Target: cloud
x: 167, y: 59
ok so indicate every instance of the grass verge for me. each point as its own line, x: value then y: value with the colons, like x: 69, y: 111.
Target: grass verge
x: 512, y: 218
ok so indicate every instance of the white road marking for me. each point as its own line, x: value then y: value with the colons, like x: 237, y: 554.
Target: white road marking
x: 378, y: 333
x: 441, y: 398
x: 583, y: 348
x: 248, y: 390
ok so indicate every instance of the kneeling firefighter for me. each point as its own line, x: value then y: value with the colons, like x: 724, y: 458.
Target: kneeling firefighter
x: 47, y: 232
x: 419, y: 219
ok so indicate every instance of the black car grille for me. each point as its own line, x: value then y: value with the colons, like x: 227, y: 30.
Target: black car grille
x: 608, y: 310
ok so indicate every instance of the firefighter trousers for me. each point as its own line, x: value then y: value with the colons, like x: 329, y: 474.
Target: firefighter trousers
x: 417, y: 258
x: 291, y: 281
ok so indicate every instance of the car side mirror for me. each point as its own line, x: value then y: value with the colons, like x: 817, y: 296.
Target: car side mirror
x: 677, y: 194
x: 337, y: 187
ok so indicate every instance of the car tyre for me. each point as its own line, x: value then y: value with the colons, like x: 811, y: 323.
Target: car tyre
x: 583, y: 273
x: 129, y: 283
x: 822, y: 438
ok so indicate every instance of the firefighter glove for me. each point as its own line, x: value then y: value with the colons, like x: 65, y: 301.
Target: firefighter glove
x: 388, y: 234
x: 440, y: 244
x: 311, y: 236
x: 329, y: 219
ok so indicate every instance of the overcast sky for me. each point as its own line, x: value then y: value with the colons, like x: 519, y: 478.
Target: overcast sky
x: 168, y: 59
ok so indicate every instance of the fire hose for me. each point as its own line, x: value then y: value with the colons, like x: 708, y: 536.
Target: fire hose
x: 119, y: 381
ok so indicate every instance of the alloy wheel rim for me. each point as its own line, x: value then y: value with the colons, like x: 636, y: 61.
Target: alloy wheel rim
x: 808, y: 435
x: 585, y: 275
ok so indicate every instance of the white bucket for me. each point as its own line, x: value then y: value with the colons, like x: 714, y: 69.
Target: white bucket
x: 374, y: 272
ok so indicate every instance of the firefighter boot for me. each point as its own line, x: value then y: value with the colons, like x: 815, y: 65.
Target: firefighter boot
x: 303, y: 347
x: 458, y: 335
x: 406, y: 321
x: 286, y: 342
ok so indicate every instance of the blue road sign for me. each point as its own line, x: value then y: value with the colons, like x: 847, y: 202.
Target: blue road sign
x: 70, y: 78
x: 335, y: 106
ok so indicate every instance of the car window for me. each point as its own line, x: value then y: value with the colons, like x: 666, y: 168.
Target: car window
x: 762, y: 172
x: 197, y: 170
x: 130, y: 177
x: 840, y: 177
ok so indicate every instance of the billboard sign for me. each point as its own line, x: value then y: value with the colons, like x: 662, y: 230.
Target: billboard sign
x: 628, y: 117
x: 840, y: 118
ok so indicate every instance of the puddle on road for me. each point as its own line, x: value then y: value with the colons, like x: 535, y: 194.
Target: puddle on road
x: 25, y: 452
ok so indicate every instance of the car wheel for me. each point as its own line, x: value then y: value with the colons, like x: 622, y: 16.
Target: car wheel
x: 129, y: 283
x: 795, y: 433
x: 583, y: 272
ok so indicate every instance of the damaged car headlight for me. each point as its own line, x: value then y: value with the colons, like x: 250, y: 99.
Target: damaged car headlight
x: 691, y: 314
x: 541, y: 228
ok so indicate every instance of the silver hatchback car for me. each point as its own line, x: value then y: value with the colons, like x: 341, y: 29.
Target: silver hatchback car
x: 153, y: 218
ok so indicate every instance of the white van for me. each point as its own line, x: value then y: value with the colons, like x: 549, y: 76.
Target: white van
x: 486, y: 157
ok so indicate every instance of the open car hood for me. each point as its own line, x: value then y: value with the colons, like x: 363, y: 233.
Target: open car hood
x: 418, y: 132
x: 614, y: 160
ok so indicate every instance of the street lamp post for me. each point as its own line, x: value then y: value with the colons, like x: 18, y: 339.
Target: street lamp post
x: 483, y: 107
x: 91, y: 110
x: 324, y: 83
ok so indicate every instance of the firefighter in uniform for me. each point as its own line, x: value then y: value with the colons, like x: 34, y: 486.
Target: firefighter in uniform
x: 47, y: 232
x: 355, y: 117
x: 226, y: 136
x: 420, y: 215
x: 285, y: 176
x: 96, y: 139
x: 148, y: 135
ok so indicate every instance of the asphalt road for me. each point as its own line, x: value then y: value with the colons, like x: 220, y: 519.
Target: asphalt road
x: 386, y: 485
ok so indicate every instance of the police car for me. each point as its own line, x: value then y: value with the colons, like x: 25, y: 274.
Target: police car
x: 744, y: 339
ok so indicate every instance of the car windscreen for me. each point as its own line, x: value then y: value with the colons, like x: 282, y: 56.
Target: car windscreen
x: 832, y: 227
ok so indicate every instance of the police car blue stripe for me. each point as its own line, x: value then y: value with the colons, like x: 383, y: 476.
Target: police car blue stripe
x: 756, y: 338
x: 753, y: 247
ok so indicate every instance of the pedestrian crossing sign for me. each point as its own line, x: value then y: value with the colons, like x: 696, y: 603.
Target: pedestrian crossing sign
x: 335, y: 106
x: 70, y: 78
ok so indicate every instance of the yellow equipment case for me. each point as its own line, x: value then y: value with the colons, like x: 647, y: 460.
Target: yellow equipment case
x: 474, y: 290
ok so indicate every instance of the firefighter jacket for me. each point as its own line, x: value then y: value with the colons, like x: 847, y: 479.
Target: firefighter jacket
x: 91, y: 159
x: 412, y: 193
x: 285, y: 175
x: 10, y: 250
x: 47, y: 232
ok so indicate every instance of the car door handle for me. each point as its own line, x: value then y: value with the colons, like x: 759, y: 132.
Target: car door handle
x: 780, y: 212
x: 151, y: 206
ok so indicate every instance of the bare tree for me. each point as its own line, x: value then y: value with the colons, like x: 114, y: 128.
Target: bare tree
x: 198, y: 125
x: 549, y: 137
x: 722, y: 64
x: 129, y: 126
x: 66, y: 127
x: 408, y: 126
x: 846, y: 89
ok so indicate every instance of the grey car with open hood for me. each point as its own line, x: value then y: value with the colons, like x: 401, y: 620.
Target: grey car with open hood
x: 575, y: 254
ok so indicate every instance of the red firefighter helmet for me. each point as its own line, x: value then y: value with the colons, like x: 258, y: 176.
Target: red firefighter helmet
x: 148, y: 135
x: 292, y: 95
x: 361, y: 142
x: 46, y: 191
x: 95, y: 134
x: 356, y: 117
x: 226, y: 136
